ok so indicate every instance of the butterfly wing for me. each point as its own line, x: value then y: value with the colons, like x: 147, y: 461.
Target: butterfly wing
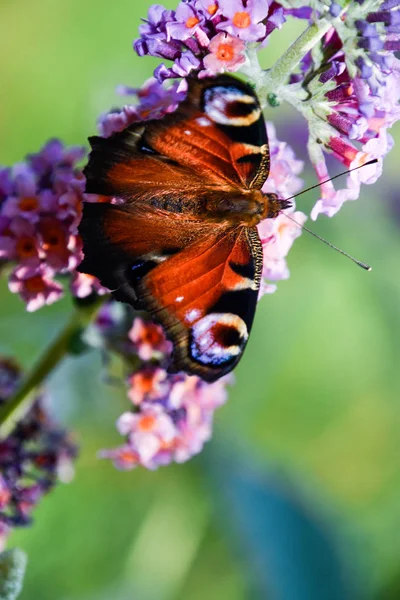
x: 216, y: 139
x: 120, y: 245
x: 205, y: 297
x: 201, y: 284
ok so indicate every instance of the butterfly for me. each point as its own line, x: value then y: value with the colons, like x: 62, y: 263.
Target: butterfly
x: 184, y: 244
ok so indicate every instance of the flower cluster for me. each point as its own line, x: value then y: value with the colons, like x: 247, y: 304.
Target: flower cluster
x: 206, y: 36
x: 40, y: 209
x: 350, y: 90
x: 171, y: 416
x: 172, y: 422
x: 32, y: 457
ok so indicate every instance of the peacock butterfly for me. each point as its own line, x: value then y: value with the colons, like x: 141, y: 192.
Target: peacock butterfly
x: 184, y: 244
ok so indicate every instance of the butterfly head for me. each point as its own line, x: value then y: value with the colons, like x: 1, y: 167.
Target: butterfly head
x: 275, y: 205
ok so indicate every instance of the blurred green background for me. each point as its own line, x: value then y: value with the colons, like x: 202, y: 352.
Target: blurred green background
x: 298, y: 495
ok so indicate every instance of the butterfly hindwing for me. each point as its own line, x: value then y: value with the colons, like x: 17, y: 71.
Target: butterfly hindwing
x: 205, y: 297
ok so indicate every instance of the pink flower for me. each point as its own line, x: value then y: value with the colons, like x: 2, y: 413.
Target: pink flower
x: 124, y: 457
x: 331, y: 200
x: 83, y: 285
x: 358, y: 101
x: 148, y: 384
x: 195, y: 403
x: 285, y: 167
x: 189, y: 389
x: 36, y: 290
x: 226, y: 54
x: 277, y: 236
x: 149, y: 432
x: 171, y: 428
x: 149, y: 340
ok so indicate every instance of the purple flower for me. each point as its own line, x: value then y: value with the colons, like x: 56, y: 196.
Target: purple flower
x: 244, y: 19
x: 155, y: 101
x: 182, y: 67
x: 117, y: 120
x: 54, y: 157
x: 18, y: 242
x: 186, y: 36
x: 157, y: 19
x: 365, y: 118
x: 6, y: 185
x: 39, y: 213
x: 368, y: 39
x: 32, y: 458
x: 187, y: 22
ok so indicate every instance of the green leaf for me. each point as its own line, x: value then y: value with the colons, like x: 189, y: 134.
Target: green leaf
x: 12, y: 571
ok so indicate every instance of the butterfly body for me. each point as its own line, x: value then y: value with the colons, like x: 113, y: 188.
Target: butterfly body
x: 184, y: 244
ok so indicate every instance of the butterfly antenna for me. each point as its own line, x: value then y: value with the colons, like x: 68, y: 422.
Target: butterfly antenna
x: 357, y: 262
x: 370, y: 162
x: 321, y: 239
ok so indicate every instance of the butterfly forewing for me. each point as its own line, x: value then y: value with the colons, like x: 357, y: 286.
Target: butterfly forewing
x: 217, y: 136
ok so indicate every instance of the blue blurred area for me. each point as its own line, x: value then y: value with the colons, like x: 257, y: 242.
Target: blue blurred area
x: 298, y: 495
x: 292, y: 550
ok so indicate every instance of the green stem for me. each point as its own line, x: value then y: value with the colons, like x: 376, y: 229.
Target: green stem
x: 19, y: 404
x: 285, y: 66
